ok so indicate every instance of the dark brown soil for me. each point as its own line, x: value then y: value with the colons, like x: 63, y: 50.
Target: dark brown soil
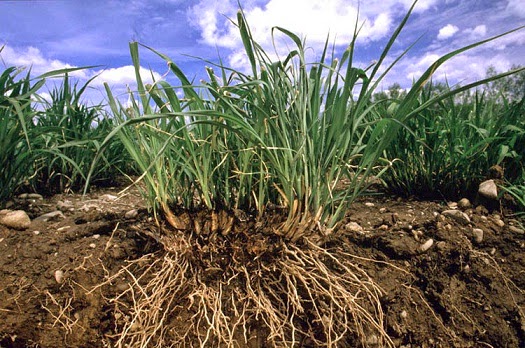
x: 458, y: 293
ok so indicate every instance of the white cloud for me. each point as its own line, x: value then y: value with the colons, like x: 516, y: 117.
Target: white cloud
x: 416, y: 68
x: 32, y: 58
x: 478, y: 32
x: 124, y: 75
x: 312, y: 20
x: 118, y: 78
x: 447, y: 31
x: 516, y: 7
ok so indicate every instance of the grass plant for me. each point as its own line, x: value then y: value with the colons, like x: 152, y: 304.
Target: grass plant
x: 16, y: 112
x: 252, y: 172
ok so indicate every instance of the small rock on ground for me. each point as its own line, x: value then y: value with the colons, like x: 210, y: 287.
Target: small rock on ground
x: 488, y: 189
x: 464, y: 203
x: 52, y: 216
x: 457, y: 215
x: 478, y: 235
x: 17, y: 219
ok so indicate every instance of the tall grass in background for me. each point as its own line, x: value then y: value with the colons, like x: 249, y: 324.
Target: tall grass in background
x: 446, y: 150
x: 69, y: 134
x: 16, y: 113
x: 49, y: 146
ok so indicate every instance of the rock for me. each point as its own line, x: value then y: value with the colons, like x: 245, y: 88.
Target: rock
x: 499, y: 222
x: 427, y: 245
x: 16, y: 219
x: 480, y: 209
x: 457, y: 215
x: 65, y: 206
x: 488, y: 189
x: 59, y: 276
x: 354, y: 227
x: 452, y: 205
x: 131, y: 214
x: 369, y: 204
x: 478, y: 235
x: 34, y: 196
x: 516, y: 230
x: 464, y: 203
x: 108, y: 197
x: 52, y: 216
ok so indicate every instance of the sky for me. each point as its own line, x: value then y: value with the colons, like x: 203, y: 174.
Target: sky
x: 53, y: 34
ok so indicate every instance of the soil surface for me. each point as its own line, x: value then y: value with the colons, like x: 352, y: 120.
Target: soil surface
x: 445, y: 283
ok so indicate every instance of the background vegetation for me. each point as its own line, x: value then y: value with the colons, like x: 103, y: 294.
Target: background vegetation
x: 443, y: 152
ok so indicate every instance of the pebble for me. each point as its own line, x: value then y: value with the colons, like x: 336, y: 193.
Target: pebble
x: 65, y: 206
x: 51, y: 216
x: 480, y: 209
x: 370, y: 204
x: 457, y: 215
x: 16, y: 219
x: 499, y: 222
x: 92, y: 245
x: 353, y: 227
x: 59, y: 276
x: 131, y: 214
x: 427, y: 245
x: 34, y: 196
x: 488, y: 189
x: 464, y: 203
x: 452, y: 205
x: 516, y: 230
x: 478, y: 235
x: 108, y: 197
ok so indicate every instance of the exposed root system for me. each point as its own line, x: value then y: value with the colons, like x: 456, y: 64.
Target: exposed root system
x: 230, y: 293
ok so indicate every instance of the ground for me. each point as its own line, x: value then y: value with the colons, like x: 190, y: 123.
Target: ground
x: 442, y: 283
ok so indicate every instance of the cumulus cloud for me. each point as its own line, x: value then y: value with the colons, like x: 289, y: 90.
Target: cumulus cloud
x: 447, y: 32
x: 478, y: 32
x: 515, y: 7
x: 32, y: 58
x: 313, y: 20
x: 125, y: 75
x: 118, y: 78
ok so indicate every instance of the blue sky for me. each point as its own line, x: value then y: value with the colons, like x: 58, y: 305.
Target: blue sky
x: 52, y: 34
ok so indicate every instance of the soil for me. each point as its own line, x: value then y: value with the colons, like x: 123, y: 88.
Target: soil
x: 443, y: 285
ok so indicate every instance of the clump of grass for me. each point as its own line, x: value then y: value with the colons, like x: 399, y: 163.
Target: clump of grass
x: 49, y: 146
x: 252, y: 173
x: 70, y: 132
x: 16, y: 157
x: 446, y: 150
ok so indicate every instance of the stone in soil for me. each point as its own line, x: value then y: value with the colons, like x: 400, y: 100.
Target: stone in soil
x: 16, y: 219
x: 488, y: 189
x: 457, y: 215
